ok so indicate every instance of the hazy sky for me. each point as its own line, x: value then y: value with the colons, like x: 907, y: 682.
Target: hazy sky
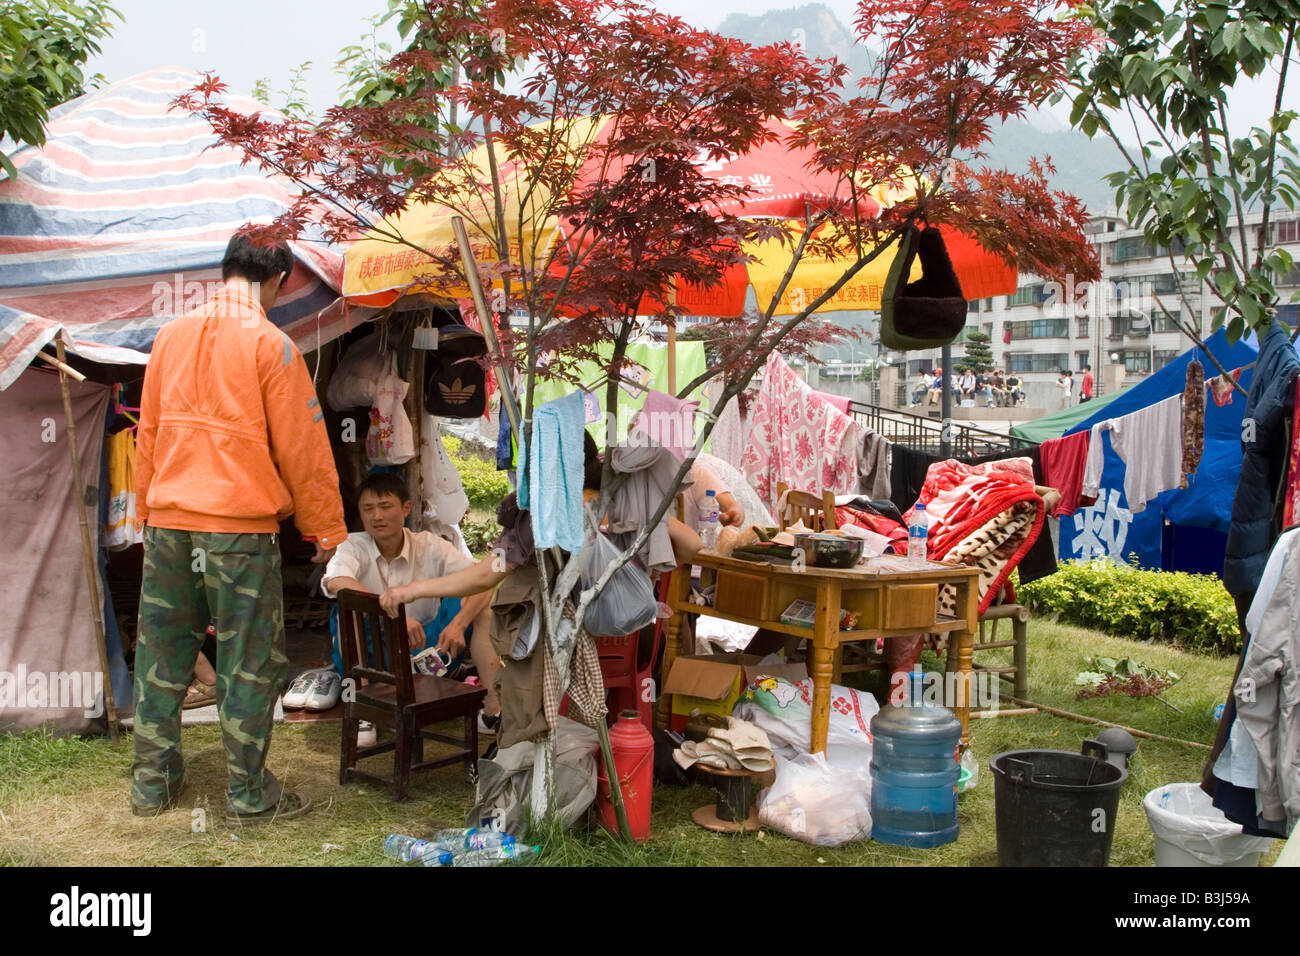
x: 245, y: 40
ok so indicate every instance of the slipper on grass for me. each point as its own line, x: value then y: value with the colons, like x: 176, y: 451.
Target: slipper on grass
x: 199, y: 695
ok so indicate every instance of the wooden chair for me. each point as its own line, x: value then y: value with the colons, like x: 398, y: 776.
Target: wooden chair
x: 397, y: 698
x: 817, y: 513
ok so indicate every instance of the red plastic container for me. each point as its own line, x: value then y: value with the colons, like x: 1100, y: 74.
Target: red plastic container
x: 634, y: 760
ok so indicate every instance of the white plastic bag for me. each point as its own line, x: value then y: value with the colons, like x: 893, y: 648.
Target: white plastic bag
x: 445, y: 501
x: 1183, y: 814
x: 627, y: 602
x: 391, y: 440
x: 817, y: 802
x: 354, y: 382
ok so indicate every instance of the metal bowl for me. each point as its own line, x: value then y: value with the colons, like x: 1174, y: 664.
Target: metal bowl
x: 829, y: 550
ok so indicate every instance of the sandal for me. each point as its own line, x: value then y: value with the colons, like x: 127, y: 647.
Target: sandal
x: 199, y: 695
x: 290, y: 805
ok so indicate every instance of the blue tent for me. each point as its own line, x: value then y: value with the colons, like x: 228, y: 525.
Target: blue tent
x: 1184, y: 530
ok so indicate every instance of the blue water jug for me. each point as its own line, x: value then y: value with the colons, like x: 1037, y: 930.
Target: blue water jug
x: 914, y: 772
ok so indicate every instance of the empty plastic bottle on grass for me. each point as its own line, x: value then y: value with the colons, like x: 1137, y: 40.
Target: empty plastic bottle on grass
x: 708, y: 526
x: 475, y: 838
x: 917, y: 537
x: 408, y: 849
x: 494, y: 855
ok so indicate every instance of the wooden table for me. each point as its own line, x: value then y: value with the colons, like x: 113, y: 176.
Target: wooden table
x: 889, y: 603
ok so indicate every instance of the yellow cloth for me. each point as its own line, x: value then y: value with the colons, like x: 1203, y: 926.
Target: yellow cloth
x: 120, y: 529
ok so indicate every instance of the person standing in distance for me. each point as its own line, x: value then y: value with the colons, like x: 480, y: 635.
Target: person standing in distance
x: 231, y: 441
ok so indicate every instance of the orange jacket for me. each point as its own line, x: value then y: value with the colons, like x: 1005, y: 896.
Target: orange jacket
x: 231, y: 434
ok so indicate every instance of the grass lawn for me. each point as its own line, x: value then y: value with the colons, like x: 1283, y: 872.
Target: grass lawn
x: 63, y: 801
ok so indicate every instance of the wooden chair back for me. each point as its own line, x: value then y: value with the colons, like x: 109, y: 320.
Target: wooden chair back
x: 373, y: 645
x: 816, y: 512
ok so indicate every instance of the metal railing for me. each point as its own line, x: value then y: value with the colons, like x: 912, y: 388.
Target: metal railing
x: 926, y: 434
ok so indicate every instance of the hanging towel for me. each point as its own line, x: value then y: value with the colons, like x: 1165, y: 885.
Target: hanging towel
x: 1095, y: 463
x: 731, y: 434
x: 550, y: 481
x: 1193, y: 420
x: 120, y: 530
x: 1064, y: 460
x: 1150, y: 443
x: 666, y: 421
x: 873, y: 464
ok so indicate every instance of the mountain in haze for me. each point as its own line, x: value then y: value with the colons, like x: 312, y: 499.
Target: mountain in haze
x: 1080, y: 162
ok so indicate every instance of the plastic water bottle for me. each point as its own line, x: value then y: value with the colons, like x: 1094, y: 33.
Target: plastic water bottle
x: 408, y: 849
x: 439, y: 858
x: 478, y: 839
x: 494, y: 855
x: 709, y: 519
x: 917, y: 534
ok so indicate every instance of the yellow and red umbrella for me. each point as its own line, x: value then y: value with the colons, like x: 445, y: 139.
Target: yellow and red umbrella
x: 782, y: 186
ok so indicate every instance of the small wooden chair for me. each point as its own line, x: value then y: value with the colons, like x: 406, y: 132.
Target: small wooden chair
x: 395, y: 697
x: 817, y: 513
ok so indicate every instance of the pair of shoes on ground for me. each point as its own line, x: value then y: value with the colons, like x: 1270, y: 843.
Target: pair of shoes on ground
x: 199, y: 695
x: 316, y: 689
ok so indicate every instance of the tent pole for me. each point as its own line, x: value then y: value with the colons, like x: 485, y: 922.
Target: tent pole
x: 945, y: 435
x: 508, y: 401
x: 671, y: 321
x: 79, y: 492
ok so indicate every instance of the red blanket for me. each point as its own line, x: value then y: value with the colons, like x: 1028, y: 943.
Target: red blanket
x: 962, y: 500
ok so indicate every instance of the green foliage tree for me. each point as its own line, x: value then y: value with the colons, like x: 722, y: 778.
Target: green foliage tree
x: 979, y: 354
x: 43, y: 46
x: 1167, y: 72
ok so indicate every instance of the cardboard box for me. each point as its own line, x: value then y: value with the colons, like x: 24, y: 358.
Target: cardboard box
x: 712, y: 683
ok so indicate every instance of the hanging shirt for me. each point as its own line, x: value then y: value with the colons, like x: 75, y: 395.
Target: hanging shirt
x: 1149, y: 442
x: 1063, y: 464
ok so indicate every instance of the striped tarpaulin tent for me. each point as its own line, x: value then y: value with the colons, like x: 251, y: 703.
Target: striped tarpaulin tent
x: 118, y: 224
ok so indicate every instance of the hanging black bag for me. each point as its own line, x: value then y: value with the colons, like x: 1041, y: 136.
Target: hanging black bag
x: 455, y: 381
x: 929, y: 312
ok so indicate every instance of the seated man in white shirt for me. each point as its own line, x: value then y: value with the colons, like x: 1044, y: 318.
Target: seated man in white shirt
x: 389, y: 555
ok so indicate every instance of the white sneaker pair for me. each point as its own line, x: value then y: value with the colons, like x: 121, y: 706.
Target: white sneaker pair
x: 317, y: 689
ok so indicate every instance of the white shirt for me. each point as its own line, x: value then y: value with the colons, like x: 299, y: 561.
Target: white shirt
x: 423, y: 555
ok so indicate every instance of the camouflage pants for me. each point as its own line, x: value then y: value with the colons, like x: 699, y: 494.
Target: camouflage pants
x: 191, y: 578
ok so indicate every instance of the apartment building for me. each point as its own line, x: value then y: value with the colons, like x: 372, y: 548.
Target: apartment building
x: 1117, y: 325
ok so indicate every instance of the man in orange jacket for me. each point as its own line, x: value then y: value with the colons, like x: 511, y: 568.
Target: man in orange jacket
x: 231, y: 441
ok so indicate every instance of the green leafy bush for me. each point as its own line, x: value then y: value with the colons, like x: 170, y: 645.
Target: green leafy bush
x: 1191, y: 611
x: 484, y: 485
x: 480, y: 532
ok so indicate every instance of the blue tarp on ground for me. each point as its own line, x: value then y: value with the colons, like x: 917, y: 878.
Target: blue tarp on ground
x: 1109, y: 528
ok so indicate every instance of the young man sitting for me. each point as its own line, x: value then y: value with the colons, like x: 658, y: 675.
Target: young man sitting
x: 388, y: 555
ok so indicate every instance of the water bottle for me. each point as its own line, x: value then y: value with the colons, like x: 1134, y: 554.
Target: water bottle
x: 917, y: 533
x: 494, y: 855
x: 439, y: 858
x: 709, y: 519
x: 408, y: 849
x: 479, y: 839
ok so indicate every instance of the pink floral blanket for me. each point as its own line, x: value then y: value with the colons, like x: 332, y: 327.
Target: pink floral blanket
x: 798, y: 438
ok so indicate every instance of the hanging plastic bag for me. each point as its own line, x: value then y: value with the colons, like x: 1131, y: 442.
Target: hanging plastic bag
x: 818, y: 803
x: 627, y: 603
x: 355, y: 382
x: 391, y: 440
x: 445, y: 501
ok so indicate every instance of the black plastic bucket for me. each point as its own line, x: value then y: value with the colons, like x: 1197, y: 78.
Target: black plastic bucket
x: 1055, y: 808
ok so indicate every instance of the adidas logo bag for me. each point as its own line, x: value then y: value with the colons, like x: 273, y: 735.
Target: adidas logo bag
x: 455, y: 383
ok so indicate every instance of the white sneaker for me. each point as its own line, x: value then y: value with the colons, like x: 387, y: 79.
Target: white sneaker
x: 325, y: 690
x: 488, y: 725
x: 366, y: 736
x: 295, y: 697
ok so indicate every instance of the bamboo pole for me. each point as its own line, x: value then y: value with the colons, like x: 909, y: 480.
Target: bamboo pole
x: 1107, y: 723
x: 543, y: 767
x: 79, y: 492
